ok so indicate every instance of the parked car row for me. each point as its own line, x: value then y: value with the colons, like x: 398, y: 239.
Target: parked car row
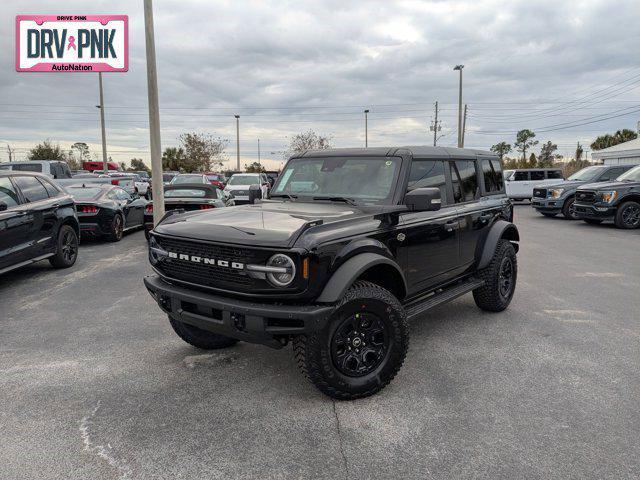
x: 594, y: 194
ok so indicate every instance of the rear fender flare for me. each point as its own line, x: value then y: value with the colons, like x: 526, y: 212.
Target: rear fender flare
x: 500, y: 229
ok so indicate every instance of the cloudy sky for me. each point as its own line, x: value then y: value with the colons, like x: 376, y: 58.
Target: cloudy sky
x: 567, y: 70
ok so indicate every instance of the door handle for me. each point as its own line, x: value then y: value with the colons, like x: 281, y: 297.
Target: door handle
x: 451, y: 225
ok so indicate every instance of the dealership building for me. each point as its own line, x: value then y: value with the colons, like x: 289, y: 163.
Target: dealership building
x: 627, y: 153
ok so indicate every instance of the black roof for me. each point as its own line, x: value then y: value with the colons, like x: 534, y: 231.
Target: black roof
x: 418, y: 151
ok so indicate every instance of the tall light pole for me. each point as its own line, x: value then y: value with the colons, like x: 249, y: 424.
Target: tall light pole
x: 459, y: 68
x: 237, y: 141
x: 258, y: 150
x: 154, y: 115
x: 105, y: 166
x: 366, y: 129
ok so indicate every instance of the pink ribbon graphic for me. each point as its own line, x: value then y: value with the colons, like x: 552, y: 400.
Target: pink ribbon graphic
x: 72, y: 43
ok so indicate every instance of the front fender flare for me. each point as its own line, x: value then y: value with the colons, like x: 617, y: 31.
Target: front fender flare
x: 500, y: 229
x: 350, y: 271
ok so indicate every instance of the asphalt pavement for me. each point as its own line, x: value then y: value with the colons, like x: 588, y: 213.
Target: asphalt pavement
x: 94, y: 383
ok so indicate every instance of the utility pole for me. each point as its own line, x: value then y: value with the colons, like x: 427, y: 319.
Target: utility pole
x: 459, y: 68
x: 237, y: 141
x: 464, y: 125
x: 258, y: 150
x: 105, y: 166
x: 154, y: 115
x: 435, y: 127
x: 366, y: 128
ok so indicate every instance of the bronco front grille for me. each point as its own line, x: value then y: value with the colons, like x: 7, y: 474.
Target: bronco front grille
x: 540, y: 192
x: 586, y: 197
x: 206, y: 274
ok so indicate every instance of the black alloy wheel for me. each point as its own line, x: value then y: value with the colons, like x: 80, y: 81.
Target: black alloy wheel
x: 505, y: 278
x: 628, y: 215
x: 359, y: 344
x: 66, y: 252
x: 117, y: 228
x: 69, y: 246
x: 569, y: 209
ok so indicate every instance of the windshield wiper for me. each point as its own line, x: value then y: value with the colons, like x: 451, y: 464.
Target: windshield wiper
x: 283, y: 195
x: 348, y: 200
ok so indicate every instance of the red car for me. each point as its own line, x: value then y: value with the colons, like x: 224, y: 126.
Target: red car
x: 217, y: 179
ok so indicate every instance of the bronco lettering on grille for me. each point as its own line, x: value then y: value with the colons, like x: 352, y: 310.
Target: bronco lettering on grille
x: 206, y: 261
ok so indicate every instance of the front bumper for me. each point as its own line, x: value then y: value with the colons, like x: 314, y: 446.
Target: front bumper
x: 596, y: 212
x: 547, y: 204
x: 248, y: 321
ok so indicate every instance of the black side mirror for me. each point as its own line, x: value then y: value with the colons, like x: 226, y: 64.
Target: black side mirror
x: 423, y: 200
x: 3, y: 206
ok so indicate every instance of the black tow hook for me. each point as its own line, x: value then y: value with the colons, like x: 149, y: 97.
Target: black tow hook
x: 238, y: 321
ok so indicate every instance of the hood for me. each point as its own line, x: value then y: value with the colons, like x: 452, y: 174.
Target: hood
x: 566, y: 184
x: 271, y: 224
x: 609, y: 185
x: 239, y: 187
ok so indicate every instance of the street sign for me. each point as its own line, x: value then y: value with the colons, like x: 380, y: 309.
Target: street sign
x: 72, y: 43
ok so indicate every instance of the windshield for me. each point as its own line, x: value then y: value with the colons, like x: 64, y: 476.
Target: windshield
x: 167, y: 177
x: 85, y: 193
x: 360, y: 178
x: 632, y: 175
x: 244, y: 180
x: 187, y: 179
x: 185, y: 192
x: 212, y: 178
x: 585, y: 174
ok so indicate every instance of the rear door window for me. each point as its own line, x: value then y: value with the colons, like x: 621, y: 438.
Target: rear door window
x: 537, y: 175
x: 556, y: 174
x: 464, y: 180
x: 8, y: 193
x: 31, y: 188
x: 51, y: 190
x: 612, y: 174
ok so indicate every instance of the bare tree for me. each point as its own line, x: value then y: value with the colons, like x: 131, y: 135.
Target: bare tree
x: 11, y: 152
x: 308, y: 140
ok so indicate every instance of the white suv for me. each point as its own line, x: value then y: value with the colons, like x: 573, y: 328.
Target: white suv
x: 520, y: 183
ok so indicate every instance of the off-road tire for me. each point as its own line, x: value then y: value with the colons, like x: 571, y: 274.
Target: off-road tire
x: 201, y: 338
x: 117, y: 229
x: 313, y: 352
x: 624, y: 210
x: 548, y: 214
x: 66, y: 248
x: 567, y: 209
x: 490, y: 297
x: 592, y: 221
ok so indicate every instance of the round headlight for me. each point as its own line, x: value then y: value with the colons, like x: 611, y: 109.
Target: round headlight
x: 287, y: 273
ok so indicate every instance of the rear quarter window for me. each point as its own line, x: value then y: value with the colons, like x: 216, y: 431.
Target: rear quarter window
x: 492, y: 174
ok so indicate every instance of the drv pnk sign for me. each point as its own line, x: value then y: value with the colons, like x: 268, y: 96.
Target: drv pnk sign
x: 72, y: 43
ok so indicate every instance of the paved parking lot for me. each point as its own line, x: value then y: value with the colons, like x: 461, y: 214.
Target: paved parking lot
x: 94, y: 384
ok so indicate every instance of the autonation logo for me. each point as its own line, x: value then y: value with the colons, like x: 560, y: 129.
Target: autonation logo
x: 72, y: 43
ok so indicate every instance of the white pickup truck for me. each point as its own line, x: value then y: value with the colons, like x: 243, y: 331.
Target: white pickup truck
x: 60, y: 172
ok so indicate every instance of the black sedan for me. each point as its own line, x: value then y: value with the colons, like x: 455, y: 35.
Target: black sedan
x: 189, y: 196
x: 107, y: 210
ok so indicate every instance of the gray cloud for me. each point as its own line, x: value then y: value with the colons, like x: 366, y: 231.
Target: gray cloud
x: 284, y: 66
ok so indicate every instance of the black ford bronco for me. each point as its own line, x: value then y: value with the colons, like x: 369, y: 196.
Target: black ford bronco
x: 350, y: 245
